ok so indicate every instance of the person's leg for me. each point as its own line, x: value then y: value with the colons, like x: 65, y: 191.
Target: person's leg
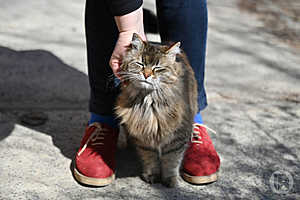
x: 101, y: 36
x: 186, y: 21
x: 101, y: 135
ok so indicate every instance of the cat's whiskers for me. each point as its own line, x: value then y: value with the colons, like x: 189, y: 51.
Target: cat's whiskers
x: 126, y: 75
x: 127, y: 79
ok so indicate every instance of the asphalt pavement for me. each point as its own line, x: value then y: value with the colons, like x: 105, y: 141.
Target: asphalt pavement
x: 253, y: 87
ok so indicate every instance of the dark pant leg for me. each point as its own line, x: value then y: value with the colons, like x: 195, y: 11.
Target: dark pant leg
x: 186, y: 21
x: 101, y: 36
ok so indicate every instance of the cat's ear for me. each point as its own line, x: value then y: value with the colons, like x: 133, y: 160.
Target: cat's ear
x: 137, y: 42
x: 174, y: 49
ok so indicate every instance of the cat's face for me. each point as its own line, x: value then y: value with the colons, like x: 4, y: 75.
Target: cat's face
x: 150, y: 66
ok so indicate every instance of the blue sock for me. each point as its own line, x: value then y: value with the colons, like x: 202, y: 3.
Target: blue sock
x: 198, y: 118
x: 109, y: 120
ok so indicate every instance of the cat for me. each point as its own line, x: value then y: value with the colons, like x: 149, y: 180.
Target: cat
x: 156, y: 105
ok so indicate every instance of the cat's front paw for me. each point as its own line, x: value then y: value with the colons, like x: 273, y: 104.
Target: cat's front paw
x: 150, y: 178
x: 170, y: 182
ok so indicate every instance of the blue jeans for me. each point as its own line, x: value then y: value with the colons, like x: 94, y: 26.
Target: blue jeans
x: 179, y: 20
x: 186, y: 21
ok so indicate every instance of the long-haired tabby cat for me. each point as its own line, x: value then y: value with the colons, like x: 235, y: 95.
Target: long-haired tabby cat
x: 157, y: 104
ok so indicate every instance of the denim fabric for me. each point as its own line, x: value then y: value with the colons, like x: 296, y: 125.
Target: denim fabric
x: 186, y: 21
x: 198, y: 118
x: 101, y: 36
x: 179, y: 20
x: 109, y: 120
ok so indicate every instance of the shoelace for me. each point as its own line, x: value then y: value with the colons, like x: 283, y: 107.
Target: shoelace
x: 98, y: 134
x: 196, y: 133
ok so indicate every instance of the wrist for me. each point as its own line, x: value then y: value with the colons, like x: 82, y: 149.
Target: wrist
x: 131, y: 23
x: 129, y: 33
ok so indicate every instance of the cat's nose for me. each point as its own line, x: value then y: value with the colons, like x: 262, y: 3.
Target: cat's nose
x: 147, y: 73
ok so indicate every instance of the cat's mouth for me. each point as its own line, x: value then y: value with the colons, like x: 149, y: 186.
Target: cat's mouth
x: 146, y: 85
x: 147, y: 82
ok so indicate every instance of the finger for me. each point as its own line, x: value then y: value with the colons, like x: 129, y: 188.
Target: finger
x: 115, y: 66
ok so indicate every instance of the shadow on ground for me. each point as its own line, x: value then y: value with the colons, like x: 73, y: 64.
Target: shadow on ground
x: 283, y: 24
x: 37, y: 81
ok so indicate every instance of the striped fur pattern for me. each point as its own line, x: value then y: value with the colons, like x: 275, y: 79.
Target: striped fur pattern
x: 157, y: 103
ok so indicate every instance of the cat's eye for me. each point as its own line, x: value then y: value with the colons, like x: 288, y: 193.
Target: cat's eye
x: 159, y: 69
x: 156, y: 67
x: 140, y: 64
x: 157, y: 62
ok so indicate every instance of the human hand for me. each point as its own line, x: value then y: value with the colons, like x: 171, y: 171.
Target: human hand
x: 122, y: 44
x: 127, y: 25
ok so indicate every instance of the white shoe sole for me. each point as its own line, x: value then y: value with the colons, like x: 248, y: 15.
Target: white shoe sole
x: 200, y: 179
x: 93, y: 181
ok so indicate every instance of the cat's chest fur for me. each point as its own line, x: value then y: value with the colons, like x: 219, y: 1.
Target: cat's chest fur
x: 149, y: 119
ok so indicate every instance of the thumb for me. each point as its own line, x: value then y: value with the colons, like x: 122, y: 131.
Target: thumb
x: 115, y: 66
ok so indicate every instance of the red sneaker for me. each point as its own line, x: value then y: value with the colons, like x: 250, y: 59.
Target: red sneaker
x: 201, y: 161
x: 95, y: 159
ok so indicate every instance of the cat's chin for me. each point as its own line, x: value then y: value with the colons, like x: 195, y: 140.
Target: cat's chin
x: 146, y: 85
